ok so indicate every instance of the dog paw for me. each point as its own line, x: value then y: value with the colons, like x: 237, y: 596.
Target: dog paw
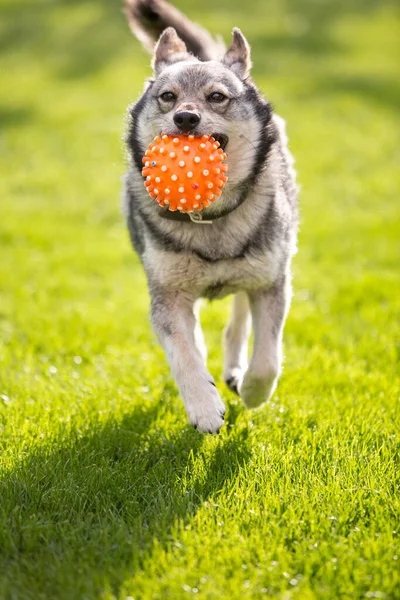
x: 206, y: 413
x: 256, y: 390
x: 233, y: 379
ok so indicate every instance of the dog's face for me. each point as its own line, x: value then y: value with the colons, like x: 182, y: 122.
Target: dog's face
x: 190, y: 96
x: 198, y: 98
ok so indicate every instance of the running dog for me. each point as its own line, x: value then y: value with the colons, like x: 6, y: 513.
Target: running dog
x: 244, y: 243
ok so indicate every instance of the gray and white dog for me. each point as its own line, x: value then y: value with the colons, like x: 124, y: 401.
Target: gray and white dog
x: 245, y: 241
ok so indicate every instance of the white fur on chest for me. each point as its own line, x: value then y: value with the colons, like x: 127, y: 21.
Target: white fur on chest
x: 188, y: 273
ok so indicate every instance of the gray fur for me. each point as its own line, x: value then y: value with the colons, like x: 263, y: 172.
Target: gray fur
x: 237, y: 57
x: 247, y: 249
x: 169, y: 49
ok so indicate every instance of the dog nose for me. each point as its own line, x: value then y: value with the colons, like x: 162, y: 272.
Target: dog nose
x: 186, y: 120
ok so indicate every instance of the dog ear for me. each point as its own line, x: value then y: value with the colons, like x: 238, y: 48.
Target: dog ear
x: 169, y: 50
x: 237, y: 57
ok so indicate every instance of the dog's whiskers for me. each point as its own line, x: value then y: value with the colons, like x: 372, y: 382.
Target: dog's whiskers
x: 247, y: 140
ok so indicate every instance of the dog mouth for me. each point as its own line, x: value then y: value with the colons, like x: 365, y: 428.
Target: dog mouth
x: 221, y: 138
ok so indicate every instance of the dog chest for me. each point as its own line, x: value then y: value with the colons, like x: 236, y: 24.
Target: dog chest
x: 189, y: 273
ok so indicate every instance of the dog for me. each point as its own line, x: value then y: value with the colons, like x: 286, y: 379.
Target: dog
x: 243, y: 243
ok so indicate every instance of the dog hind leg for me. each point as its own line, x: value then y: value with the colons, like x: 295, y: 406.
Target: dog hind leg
x: 174, y: 322
x: 269, y: 309
x: 235, y: 339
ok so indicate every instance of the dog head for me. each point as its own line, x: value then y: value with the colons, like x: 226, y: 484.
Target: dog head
x: 214, y: 97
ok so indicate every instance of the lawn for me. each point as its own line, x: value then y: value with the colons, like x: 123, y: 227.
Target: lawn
x: 106, y: 493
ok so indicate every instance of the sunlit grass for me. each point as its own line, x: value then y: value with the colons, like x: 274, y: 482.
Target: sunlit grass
x: 105, y: 492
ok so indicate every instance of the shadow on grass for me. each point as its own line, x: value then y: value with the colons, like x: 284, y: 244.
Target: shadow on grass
x: 83, y: 514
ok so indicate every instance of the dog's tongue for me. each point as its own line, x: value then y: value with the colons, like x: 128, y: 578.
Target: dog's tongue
x: 184, y: 173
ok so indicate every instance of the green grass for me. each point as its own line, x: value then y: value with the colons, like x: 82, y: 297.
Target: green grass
x: 105, y: 491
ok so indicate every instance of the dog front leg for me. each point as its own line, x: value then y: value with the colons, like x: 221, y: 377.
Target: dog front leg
x: 174, y: 322
x: 269, y: 309
x: 198, y: 333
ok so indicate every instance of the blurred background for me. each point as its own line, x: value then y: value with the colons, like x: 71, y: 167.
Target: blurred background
x: 70, y: 69
x: 82, y: 379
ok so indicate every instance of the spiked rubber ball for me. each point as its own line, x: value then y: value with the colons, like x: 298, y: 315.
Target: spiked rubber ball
x: 184, y: 173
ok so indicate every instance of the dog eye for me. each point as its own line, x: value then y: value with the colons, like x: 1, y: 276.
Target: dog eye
x: 216, y: 97
x: 168, y: 97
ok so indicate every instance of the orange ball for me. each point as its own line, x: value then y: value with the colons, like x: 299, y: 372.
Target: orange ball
x: 184, y: 172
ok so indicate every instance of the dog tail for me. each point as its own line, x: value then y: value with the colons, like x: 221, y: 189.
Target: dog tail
x: 148, y: 19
